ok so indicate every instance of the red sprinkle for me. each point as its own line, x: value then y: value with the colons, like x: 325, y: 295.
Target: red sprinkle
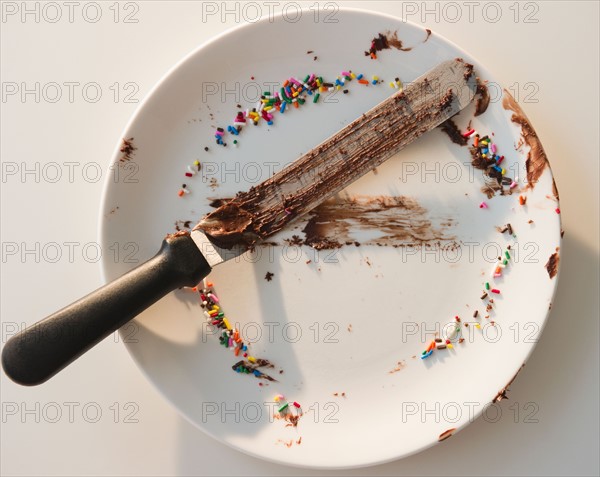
x: 469, y: 133
x: 296, y: 404
x: 557, y: 210
x: 496, y: 291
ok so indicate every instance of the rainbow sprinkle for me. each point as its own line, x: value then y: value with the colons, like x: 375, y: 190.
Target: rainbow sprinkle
x: 293, y: 93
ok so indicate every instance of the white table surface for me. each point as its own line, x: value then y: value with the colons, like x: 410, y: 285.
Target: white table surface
x: 138, y: 433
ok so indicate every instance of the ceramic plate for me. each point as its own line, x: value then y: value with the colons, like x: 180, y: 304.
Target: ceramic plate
x: 344, y: 328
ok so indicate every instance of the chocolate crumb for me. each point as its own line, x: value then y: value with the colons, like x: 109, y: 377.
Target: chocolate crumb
x: 269, y: 276
x: 552, y: 265
x: 482, y: 96
x: 445, y: 435
x: 127, y: 150
x: 451, y: 129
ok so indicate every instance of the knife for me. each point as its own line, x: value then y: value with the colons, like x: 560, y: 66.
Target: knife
x: 40, y: 351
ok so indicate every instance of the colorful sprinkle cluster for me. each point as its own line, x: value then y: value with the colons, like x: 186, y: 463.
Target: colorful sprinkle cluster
x: 230, y: 337
x: 293, y: 93
x: 289, y: 411
x: 485, y: 156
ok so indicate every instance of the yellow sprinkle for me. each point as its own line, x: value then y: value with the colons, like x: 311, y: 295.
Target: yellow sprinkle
x: 375, y: 78
x: 392, y: 85
x: 338, y: 87
x: 478, y: 326
x: 503, y: 171
x: 352, y: 75
x: 276, y: 399
x: 484, y: 155
x: 226, y: 323
x: 252, y: 359
x: 196, y: 163
x: 449, y: 346
x: 268, y: 108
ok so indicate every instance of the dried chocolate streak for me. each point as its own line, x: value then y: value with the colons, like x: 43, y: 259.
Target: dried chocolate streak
x: 358, y: 148
x: 400, y: 221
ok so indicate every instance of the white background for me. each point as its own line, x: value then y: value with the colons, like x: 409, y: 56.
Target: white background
x: 558, y: 54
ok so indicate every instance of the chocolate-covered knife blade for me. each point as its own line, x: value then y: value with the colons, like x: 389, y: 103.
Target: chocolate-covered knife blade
x: 344, y: 157
x: 43, y: 349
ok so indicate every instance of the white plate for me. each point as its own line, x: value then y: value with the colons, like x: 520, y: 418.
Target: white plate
x: 341, y: 323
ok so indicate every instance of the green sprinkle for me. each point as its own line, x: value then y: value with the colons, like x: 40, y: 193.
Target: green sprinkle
x: 316, y: 98
x: 284, y: 407
x: 505, y: 262
x: 487, y: 285
x: 266, y: 93
x: 235, y: 141
x: 300, y: 100
x: 507, y: 255
x: 306, y: 79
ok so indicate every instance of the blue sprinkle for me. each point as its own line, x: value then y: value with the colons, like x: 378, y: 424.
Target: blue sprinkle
x: 270, y: 123
x: 359, y: 76
x: 427, y: 355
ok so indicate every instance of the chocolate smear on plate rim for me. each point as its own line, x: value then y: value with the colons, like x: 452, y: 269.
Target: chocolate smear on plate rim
x: 536, y: 161
x: 552, y: 264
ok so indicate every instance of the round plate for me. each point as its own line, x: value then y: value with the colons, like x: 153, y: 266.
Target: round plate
x: 345, y: 328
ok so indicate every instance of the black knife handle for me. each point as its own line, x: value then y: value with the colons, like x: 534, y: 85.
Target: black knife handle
x: 39, y: 352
